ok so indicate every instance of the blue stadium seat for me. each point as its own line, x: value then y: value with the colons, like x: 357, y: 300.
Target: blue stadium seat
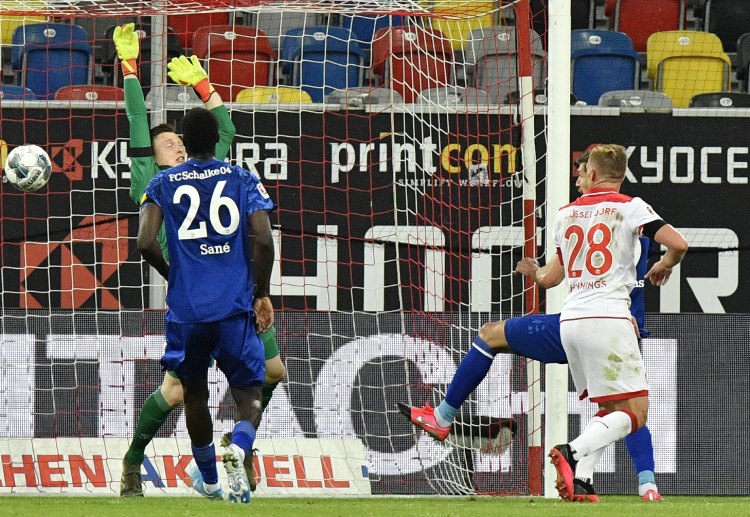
x: 321, y: 60
x: 10, y: 92
x: 602, y: 61
x: 364, y: 26
x: 48, y: 56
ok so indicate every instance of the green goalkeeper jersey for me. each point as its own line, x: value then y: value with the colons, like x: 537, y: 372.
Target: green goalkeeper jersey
x: 143, y: 167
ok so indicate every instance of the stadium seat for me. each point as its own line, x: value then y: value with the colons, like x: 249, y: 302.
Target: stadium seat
x: 728, y: 19
x: 11, y: 92
x: 235, y: 57
x: 364, y: 96
x: 111, y: 63
x: 8, y: 25
x: 173, y: 96
x: 273, y: 95
x: 186, y: 25
x: 743, y: 61
x: 96, y: 27
x: 639, y: 19
x: 540, y: 97
x: 645, y: 99
x: 454, y: 97
x: 582, y: 15
x: 90, y: 92
x: 602, y: 61
x: 683, y: 64
x: 275, y: 24
x: 456, y: 20
x: 493, y: 60
x: 364, y: 26
x: 721, y: 100
x: 321, y: 59
x: 48, y: 56
x: 411, y: 59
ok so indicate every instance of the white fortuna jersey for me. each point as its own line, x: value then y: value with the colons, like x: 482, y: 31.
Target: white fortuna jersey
x: 597, y: 239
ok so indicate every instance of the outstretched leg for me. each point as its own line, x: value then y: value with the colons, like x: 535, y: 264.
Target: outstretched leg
x: 641, y: 449
x: 154, y: 413
x: 470, y: 373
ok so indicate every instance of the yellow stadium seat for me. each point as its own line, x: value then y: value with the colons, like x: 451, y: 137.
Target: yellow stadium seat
x: 9, y: 23
x: 683, y: 64
x: 273, y: 95
x: 465, y: 16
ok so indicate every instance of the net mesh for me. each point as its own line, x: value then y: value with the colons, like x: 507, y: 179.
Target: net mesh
x: 396, y: 157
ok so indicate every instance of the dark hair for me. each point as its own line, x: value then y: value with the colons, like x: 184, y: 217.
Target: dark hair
x: 161, y: 128
x: 200, y: 132
x: 584, y: 156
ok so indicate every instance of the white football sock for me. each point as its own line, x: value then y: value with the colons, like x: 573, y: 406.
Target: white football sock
x: 645, y: 487
x: 587, y: 464
x: 604, y: 431
x: 212, y: 487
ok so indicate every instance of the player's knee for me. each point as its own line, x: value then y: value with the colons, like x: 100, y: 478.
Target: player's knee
x: 172, y: 391
x: 275, y: 372
x: 493, y: 333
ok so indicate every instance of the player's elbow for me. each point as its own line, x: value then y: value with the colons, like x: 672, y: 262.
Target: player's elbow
x: 264, y: 245
x: 681, y: 246
x: 143, y: 243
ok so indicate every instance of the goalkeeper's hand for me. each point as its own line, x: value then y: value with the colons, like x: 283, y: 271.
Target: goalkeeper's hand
x: 128, y: 48
x: 190, y: 73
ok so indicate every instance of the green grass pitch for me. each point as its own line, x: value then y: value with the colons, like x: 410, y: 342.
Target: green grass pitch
x: 611, y: 506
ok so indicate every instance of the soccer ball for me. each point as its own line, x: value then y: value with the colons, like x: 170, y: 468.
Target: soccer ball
x: 28, y: 167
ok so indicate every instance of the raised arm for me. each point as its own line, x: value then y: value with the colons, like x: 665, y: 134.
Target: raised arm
x: 263, y: 256
x: 190, y: 73
x: 547, y: 276
x: 142, y: 164
x: 676, y: 245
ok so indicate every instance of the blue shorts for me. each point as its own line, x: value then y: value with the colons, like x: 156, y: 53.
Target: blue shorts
x: 537, y: 337
x: 233, y: 342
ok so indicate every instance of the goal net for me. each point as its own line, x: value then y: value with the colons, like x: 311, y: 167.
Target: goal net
x: 398, y: 139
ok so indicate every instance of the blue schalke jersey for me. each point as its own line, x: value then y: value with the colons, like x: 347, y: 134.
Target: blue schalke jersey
x: 205, y: 207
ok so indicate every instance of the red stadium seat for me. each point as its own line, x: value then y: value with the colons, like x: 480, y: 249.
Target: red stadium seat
x: 185, y: 25
x: 639, y: 19
x: 90, y: 92
x: 411, y: 59
x: 235, y: 57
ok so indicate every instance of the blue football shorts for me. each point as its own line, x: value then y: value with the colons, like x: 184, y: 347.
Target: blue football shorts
x: 536, y: 336
x: 233, y: 342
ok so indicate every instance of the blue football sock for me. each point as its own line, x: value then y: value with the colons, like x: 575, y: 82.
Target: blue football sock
x: 470, y: 373
x: 205, y: 458
x: 641, y: 450
x: 243, y: 435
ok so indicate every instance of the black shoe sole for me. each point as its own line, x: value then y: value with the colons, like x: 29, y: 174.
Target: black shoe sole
x: 405, y: 410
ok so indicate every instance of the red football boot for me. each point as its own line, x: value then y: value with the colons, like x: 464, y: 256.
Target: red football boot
x: 424, y: 418
x: 561, y: 456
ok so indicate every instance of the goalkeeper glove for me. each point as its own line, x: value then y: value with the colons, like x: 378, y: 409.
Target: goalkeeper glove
x: 128, y: 48
x: 190, y: 72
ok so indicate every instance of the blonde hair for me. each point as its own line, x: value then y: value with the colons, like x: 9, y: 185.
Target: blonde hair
x: 609, y: 160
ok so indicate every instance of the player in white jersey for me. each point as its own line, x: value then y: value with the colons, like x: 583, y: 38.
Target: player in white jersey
x: 597, y: 243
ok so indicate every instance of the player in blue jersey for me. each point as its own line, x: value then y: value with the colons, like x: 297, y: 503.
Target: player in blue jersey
x: 537, y: 337
x: 218, y: 295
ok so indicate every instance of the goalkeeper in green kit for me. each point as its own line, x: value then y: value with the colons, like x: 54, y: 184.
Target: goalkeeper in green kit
x: 151, y: 151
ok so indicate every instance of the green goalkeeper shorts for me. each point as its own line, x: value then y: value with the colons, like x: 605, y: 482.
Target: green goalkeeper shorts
x: 269, y: 345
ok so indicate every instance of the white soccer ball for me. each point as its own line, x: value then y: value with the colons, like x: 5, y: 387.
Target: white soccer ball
x: 28, y: 167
